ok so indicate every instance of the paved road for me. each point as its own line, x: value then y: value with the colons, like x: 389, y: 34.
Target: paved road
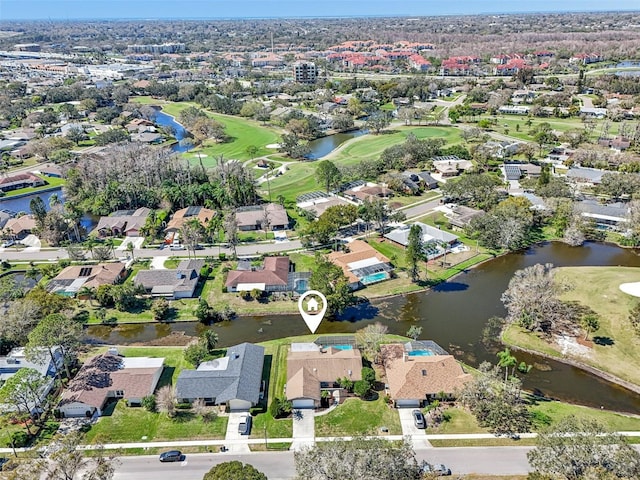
x: 421, y: 209
x: 56, y: 254
x: 280, y: 465
x: 276, y: 465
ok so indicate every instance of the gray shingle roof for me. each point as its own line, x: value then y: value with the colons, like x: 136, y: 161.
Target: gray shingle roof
x: 184, y: 278
x: 429, y: 234
x: 239, y: 380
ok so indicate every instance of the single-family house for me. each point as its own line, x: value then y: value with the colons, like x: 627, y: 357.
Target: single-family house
x: 435, y: 241
x: 416, y: 372
x: 233, y: 380
x: 451, y: 165
x: 151, y: 138
x: 75, y: 277
x: 610, y: 216
x: 20, y: 180
x: 262, y: 217
x: 41, y: 361
x: 175, y: 283
x: 618, y: 143
x: 5, y: 216
x: 515, y: 171
x: 362, y: 264
x: 320, y: 205
x: 180, y: 217
x: 428, y: 182
x: 19, y: 227
x: 312, y: 368
x: 110, y: 376
x: 460, y: 216
x: 52, y: 171
x: 367, y: 192
x: 586, y: 176
x: 123, y: 222
x: 276, y: 275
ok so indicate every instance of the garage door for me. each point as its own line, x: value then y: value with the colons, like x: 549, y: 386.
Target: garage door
x: 303, y: 403
x: 408, y: 403
x: 239, y: 405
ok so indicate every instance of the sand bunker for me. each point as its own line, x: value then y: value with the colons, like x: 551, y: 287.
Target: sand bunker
x: 631, y: 288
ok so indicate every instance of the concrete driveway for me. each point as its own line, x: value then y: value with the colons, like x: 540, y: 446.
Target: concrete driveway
x: 157, y: 263
x: 304, y: 429
x: 234, y: 436
x: 409, y: 429
x: 137, y: 243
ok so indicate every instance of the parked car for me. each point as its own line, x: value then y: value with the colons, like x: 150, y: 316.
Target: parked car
x: 177, y: 246
x: 245, y: 425
x: 8, y: 243
x: 418, y: 419
x: 437, y: 468
x: 171, y: 456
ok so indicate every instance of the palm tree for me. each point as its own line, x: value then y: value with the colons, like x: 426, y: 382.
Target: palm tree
x: 88, y: 293
x: 89, y: 244
x: 506, y: 360
x: 130, y: 249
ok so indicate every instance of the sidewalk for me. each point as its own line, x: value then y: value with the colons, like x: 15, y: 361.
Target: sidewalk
x: 258, y: 441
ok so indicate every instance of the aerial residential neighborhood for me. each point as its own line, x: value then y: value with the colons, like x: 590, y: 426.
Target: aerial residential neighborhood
x: 296, y: 244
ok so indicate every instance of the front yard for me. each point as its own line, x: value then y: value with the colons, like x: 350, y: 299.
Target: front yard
x: 359, y: 417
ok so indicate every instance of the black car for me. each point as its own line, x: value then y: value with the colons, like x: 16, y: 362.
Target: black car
x: 418, y: 419
x: 171, y: 456
x: 245, y: 425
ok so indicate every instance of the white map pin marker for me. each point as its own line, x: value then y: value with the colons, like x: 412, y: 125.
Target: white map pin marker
x: 311, y: 311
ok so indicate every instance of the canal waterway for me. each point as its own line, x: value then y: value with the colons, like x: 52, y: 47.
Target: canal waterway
x: 454, y: 315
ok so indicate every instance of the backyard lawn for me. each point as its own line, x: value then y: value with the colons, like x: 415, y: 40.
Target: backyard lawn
x: 52, y: 183
x: 614, y: 347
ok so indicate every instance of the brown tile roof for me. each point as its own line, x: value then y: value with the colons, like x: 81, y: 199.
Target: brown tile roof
x: 179, y: 218
x: 275, y: 272
x: 255, y: 216
x: 25, y: 223
x: 320, y: 366
x: 105, y: 373
x: 303, y: 384
x: 416, y: 377
x: 101, y: 274
x: 358, y: 251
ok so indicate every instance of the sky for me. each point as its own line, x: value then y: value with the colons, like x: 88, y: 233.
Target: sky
x: 208, y: 9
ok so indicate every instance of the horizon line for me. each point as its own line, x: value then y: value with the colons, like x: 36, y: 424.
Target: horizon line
x: 323, y: 17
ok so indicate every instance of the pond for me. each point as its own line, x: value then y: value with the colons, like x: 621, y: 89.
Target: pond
x: 454, y: 315
x: 21, y: 204
x: 324, y: 145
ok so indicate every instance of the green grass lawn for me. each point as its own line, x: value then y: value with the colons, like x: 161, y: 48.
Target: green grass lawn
x: 359, y: 417
x: 616, y: 350
x: 131, y: 424
x: 52, y: 182
x: 371, y: 146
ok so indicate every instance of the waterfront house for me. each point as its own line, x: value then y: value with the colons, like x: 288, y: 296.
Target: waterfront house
x: 312, y: 368
x: 234, y: 380
x: 418, y: 371
x: 110, y: 376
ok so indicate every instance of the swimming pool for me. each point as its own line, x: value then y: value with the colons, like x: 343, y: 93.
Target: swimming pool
x: 420, y: 353
x: 341, y: 347
x: 374, y: 277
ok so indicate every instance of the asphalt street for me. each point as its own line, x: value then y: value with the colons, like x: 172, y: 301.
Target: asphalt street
x: 280, y: 465
x: 19, y: 254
